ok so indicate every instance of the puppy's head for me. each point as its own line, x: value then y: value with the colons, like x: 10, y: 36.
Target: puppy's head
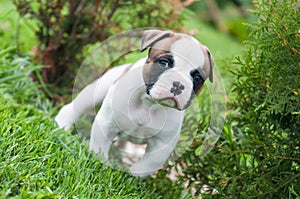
x: 176, y: 68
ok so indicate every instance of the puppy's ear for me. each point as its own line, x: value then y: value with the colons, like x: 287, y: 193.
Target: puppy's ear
x: 209, y: 63
x: 152, y: 36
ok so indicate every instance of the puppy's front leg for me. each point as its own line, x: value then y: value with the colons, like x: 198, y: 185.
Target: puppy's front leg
x: 91, y: 96
x: 84, y: 101
x: 102, y: 134
x: 157, y: 152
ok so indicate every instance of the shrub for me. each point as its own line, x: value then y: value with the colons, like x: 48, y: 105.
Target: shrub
x: 65, y: 28
x: 258, y: 154
x: 268, y: 102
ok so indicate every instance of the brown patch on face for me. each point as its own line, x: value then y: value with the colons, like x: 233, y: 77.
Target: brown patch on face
x: 152, y: 70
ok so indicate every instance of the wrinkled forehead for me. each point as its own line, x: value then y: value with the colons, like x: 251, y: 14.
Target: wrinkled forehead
x: 189, y: 50
x: 185, y: 50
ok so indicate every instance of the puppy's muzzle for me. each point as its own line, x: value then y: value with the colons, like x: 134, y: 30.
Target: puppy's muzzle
x: 148, y: 87
x: 177, y: 88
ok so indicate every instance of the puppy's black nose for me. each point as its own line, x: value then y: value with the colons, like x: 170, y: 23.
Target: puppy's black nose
x: 177, y: 88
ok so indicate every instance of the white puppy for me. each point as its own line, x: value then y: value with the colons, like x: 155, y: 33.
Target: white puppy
x: 144, y: 102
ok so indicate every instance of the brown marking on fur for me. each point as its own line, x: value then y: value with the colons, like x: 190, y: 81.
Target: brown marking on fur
x: 166, y: 43
x: 151, y: 70
x: 152, y: 36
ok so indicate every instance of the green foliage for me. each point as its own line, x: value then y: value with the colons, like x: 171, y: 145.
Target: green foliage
x: 14, y: 78
x: 65, y: 28
x: 268, y: 83
x: 237, y: 29
x: 14, y: 30
x: 268, y: 101
x: 258, y: 155
x: 38, y: 160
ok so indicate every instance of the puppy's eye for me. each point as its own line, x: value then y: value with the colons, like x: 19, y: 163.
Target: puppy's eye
x: 165, y: 62
x: 197, y: 78
x: 198, y: 81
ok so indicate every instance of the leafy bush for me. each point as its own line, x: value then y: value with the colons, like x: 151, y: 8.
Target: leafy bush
x: 258, y: 155
x: 268, y: 102
x: 65, y: 28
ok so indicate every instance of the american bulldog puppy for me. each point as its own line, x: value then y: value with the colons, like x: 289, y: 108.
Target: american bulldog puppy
x: 144, y: 102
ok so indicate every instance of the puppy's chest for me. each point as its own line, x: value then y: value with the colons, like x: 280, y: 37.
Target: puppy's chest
x: 140, y: 119
x: 136, y: 116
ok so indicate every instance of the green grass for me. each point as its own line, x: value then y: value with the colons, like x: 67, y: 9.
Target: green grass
x: 14, y: 30
x: 40, y: 161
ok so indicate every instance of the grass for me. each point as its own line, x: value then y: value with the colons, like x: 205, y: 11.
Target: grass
x: 14, y: 30
x: 37, y: 160
x: 40, y: 161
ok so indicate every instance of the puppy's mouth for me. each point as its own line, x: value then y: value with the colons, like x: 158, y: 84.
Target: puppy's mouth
x: 170, y: 102
x: 148, y: 87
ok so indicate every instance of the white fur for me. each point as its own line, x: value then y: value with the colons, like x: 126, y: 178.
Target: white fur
x: 129, y: 112
x: 128, y: 109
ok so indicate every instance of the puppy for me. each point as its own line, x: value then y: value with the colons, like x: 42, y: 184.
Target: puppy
x: 144, y: 102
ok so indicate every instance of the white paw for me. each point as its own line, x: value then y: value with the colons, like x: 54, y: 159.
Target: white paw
x: 65, y: 117
x: 142, y: 173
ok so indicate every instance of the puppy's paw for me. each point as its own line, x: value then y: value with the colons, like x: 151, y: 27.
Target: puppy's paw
x: 65, y: 117
x: 138, y: 172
